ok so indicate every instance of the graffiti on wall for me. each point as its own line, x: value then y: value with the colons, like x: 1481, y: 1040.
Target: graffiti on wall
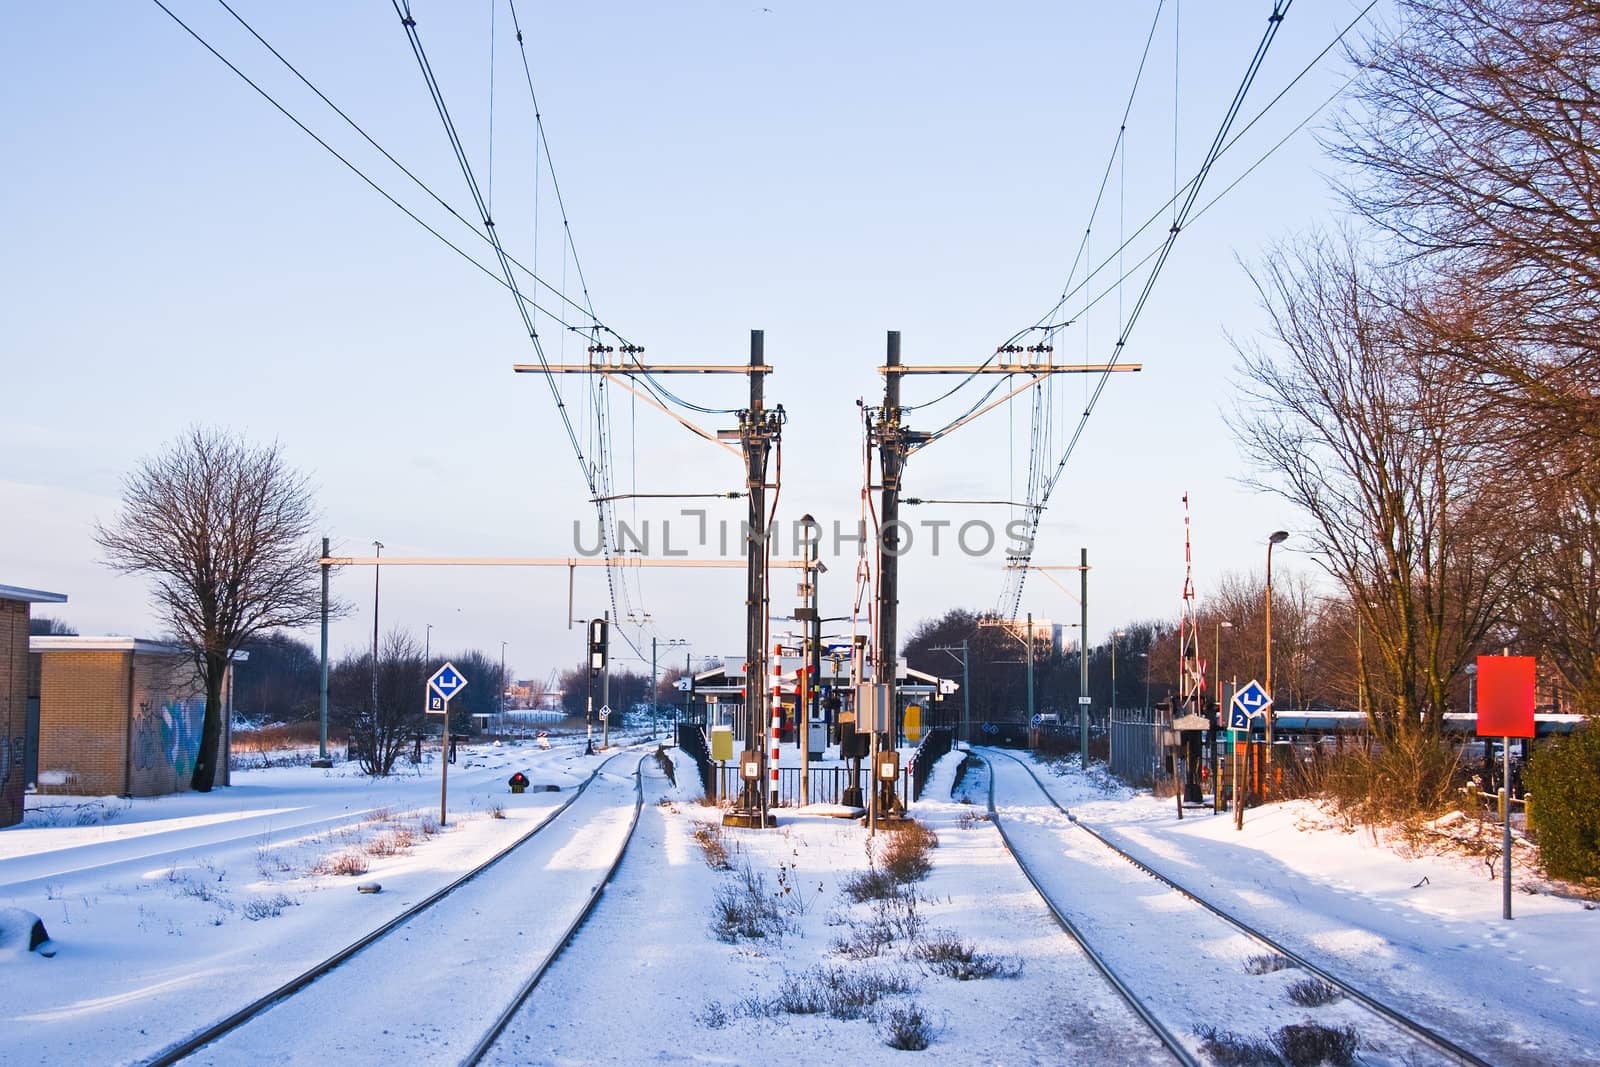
x: 168, y: 737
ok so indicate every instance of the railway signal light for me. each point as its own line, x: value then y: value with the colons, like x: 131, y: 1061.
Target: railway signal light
x: 597, y: 646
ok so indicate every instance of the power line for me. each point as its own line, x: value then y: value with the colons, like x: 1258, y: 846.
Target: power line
x: 1180, y: 220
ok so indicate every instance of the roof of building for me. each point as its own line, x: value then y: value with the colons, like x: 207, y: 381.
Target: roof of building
x: 31, y: 596
x: 113, y: 644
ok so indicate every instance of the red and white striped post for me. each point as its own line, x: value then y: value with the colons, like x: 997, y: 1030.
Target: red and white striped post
x: 777, y: 720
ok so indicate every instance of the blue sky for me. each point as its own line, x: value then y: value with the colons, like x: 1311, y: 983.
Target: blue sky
x: 178, y: 252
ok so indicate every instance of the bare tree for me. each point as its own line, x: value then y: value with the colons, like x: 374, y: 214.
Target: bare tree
x: 1472, y: 133
x: 380, y: 726
x: 224, y: 530
x: 1353, y: 417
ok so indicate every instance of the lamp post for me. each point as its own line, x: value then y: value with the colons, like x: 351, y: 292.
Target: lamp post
x: 1276, y: 538
x: 377, y: 552
x: 1222, y: 716
x: 501, y: 703
x: 427, y: 644
x: 1216, y: 659
x: 1114, y: 635
x: 1146, y: 657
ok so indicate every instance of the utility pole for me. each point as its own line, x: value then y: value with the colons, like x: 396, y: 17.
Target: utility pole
x: 1083, y: 648
x: 376, y: 570
x: 892, y: 440
x: 322, y: 687
x: 1083, y: 657
x: 1030, y: 670
x: 758, y: 431
x: 605, y: 685
x: 966, y: 692
x: 654, y: 682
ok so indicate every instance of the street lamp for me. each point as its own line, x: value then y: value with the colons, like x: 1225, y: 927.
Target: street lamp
x: 1216, y: 660
x: 1276, y: 538
x: 1114, y: 635
x: 1146, y: 657
x: 427, y: 644
x: 377, y: 553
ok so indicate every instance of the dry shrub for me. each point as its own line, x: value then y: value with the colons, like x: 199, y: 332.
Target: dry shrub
x: 1313, y: 993
x: 396, y: 842
x: 744, y: 910
x: 350, y: 863
x: 1412, y: 776
x: 713, y: 845
x: 1228, y: 1049
x: 907, y: 852
x: 1266, y: 964
x: 954, y: 958
x: 908, y: 1029
x: 1309, y: 1044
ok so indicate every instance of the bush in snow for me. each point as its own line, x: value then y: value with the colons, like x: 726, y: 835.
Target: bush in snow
x: 907, y: 854
x: 1564, y: 781
x: 1412, y: 775
x: 1313, y: 993
x: 954, y: 958
x: 1266, y: 964
x: 1228, y: 1049
x: 743, y: 909
x: 1310, y: 1044
x: 908, y: 1029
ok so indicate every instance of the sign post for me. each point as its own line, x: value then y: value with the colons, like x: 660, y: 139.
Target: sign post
x: 442, y: 688
x: 1246, y: 704
x: 1505, y: 709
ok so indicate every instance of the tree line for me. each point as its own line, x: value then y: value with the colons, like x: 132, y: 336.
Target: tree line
x: 1427, y: 394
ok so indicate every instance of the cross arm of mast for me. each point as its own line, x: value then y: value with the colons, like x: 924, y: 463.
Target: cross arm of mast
x: 618, y: 367
x: 1013, y: 368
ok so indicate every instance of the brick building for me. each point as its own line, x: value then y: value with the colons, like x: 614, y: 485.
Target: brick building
x: 119, y: 715
x: 15, y: 611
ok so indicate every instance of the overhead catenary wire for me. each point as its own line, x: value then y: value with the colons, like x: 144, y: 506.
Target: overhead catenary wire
x: 530, y: 272
x: 1017, y: 577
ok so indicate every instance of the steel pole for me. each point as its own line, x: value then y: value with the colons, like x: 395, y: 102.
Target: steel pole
x: 1083, y: 656
x: 1031, y: 724
x: 966, y: 695
x: 891, y: 456
x: 376, y: 570
x: 605, y: 686
x: 322, y: 686
x: 653, y: 684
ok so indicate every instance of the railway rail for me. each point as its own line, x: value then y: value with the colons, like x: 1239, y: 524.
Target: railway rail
x: 1406, y: 1025
x: 209, y: 1037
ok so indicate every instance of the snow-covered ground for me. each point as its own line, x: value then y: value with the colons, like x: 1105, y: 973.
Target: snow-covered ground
x: 1418, y: 927
x: 169, y: 913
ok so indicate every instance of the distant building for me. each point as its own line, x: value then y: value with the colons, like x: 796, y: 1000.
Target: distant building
x: 17, y: 710
x: 119, y: 715
x: 1048, y: 637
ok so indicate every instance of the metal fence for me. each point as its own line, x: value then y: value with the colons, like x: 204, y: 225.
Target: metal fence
x: 1135, y: 751
x: 827, y: 784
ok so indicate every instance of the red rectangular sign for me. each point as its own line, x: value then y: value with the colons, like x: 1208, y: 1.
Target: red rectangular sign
x: 1505, y: 696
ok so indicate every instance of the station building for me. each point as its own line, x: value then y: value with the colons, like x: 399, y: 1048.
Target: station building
x: 16, y: 604
x: 119, y: 715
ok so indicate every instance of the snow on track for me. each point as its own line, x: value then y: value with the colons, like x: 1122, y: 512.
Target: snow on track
x: 429, y: 989
x: 636, y: 984
x: 1181, y: 960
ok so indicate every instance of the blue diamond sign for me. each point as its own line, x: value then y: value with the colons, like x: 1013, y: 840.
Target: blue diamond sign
x: 447, y: 682
x: 1247, y: 703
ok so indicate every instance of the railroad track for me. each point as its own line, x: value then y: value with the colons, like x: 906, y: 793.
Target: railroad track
x: 1401, y: 1023
x: 252, y: 1026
